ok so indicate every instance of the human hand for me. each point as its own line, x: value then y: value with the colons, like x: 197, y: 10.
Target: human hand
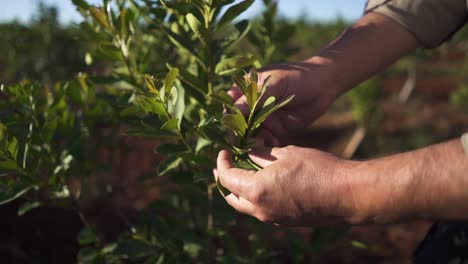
x: 301, y: 186
x: 297, y: 186
x: 313, y: 94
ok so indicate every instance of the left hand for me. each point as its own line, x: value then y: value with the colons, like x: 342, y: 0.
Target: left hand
x: 314, y: 91
x: 297, y: 186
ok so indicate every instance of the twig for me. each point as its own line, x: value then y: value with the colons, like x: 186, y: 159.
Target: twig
x: 209, y: 223
x: 354, y: 142
x: 408, y: 87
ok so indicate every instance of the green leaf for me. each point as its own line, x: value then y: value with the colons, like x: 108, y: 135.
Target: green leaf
x: 170, y: 79
x: 222, y: 97
x: 179, y: 104
x: 142, y: 132
x: 171, y: 148
x: 3, y: 130
x: 284, y: 102
x: 16, y: 191
x: 234, y: 11
x: 198, y: 28
x: 7, y: 166
x: 160, y: 259
x: 358, y: 244
x: 190, y: 79
x: 221, y: 3
x: 202, y: 143
x: 13, y: 148
x: 268, y: 109
x: 100, y: 17
x: 133, y: 249
x: 244, y: 162
x: 169, y: 164
x: 234, y: 64
x: 150, y: 84
x: 241, y: 82
x: 109, y: 51
x: 236, y: 122
x: 28, y: 206
x: 253, y: 75
x: 252, y: 94
x: 265, y: 85
x: 213, y: 133
x: 261, y: 93
x: 170, y: 124
x: 82, y: 80
x: 125, y: 22
x: 81, y: 4
x: 122, y: 26
x: 242, y: 28
x: 174, y: 6
x: 150, y: 105
x: 87, y: 236
x: 87, y: 255
x: 182, y: 42
x: 130, y: 111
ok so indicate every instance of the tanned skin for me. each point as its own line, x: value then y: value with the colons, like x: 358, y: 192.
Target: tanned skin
x: 307, y: 187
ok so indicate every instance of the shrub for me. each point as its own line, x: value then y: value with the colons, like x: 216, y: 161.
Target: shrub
x: 172, y: 63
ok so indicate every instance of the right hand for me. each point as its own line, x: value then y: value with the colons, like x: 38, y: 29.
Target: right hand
x: 313, y: 95
x: 296, y: 187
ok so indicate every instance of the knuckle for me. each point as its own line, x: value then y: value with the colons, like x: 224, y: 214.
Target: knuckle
x: 290, y: 148
x: 257, y: 195
x: 276, y: 150
x: 263, y: 217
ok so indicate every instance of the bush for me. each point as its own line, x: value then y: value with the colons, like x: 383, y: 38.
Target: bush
x: 172, y: 63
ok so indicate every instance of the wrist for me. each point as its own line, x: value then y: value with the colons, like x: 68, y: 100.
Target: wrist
x: 355, y: 194
x: 379, y: 190
x: 324, y: 75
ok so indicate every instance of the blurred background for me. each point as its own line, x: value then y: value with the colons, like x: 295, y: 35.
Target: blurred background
x: 23, y: 10
x: 420, y: 100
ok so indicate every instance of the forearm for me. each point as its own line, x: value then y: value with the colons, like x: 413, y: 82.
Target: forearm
x: 367, y: 47
x: 430, y: 183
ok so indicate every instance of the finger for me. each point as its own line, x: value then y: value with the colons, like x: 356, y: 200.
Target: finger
x: 243, y: 107
x: 265, y: 138
x: 231, y: 137
x: 262, y: 156
x: 235, y: 93
x: 215, y: 174
x: 274, y: 125
x: 224, y: 161
x: 240, y: 204
x: 236, y: 180
x: 301, y: 115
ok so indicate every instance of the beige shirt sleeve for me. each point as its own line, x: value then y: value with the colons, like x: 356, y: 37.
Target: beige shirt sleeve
x: 431, y: 21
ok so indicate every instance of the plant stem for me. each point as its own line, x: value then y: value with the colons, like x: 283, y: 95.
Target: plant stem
x: 130, y: 70
x: 184, y: 141
x: 31, y: 125
x: 127, y: 61
x: 209, y: 223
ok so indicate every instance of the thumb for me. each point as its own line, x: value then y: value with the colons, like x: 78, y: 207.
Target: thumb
x: 264, y: 156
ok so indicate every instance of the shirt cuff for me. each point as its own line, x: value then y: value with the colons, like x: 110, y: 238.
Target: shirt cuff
x: 430, y: 21
x: 464, y: 140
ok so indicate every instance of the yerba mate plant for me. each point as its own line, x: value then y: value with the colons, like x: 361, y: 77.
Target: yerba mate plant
x: 204, y: 64
x: 181, y: 98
